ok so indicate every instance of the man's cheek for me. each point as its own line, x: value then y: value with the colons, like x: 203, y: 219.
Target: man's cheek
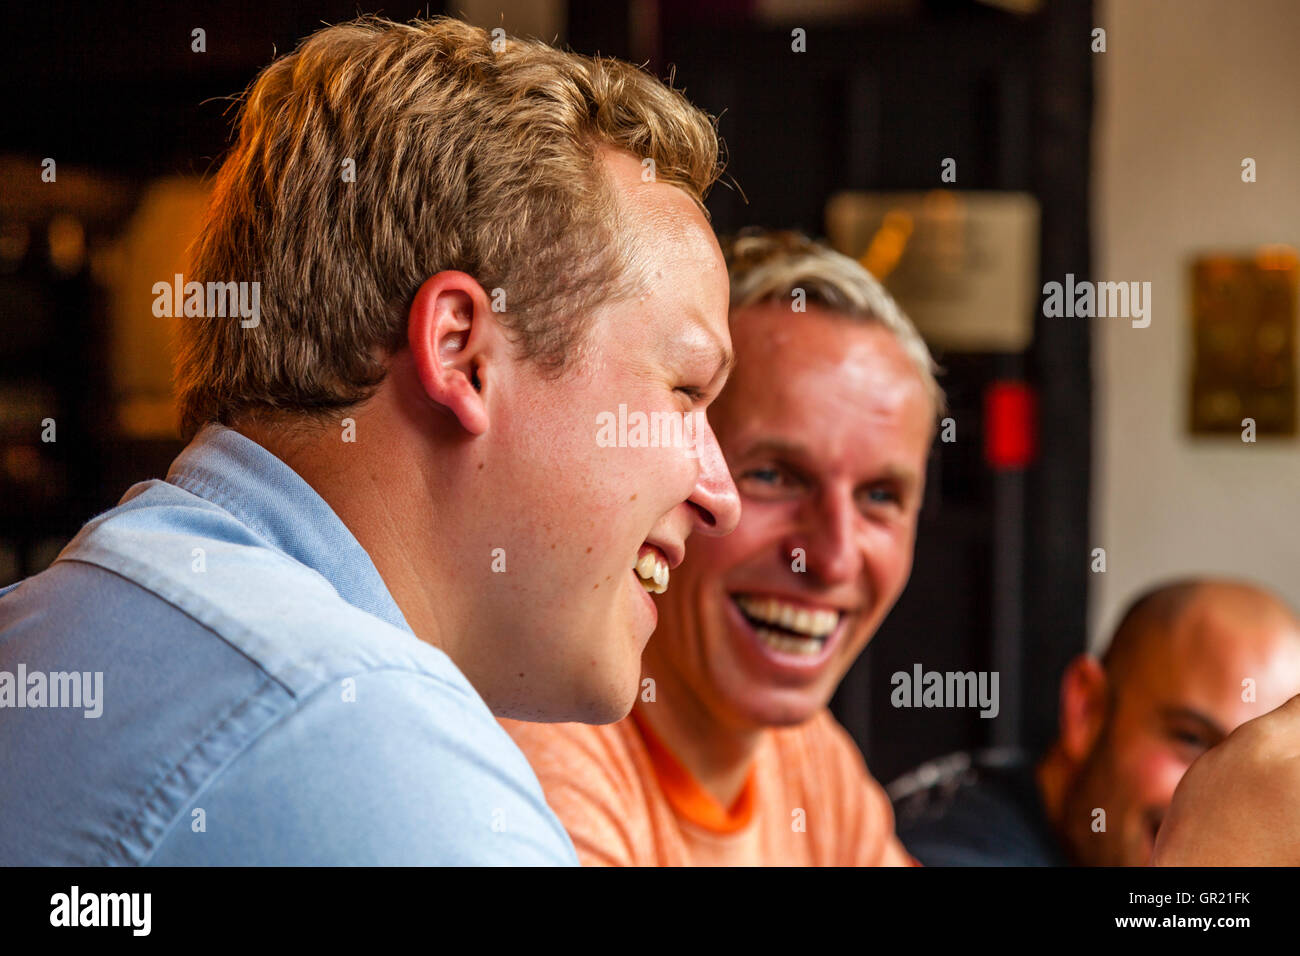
x: 1157, y: 772
x: 750, y: 541
x: 889, y: 565
x: 659, y: 477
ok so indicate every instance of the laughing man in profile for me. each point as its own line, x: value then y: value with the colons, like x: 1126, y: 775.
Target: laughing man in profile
x: 391, y: 522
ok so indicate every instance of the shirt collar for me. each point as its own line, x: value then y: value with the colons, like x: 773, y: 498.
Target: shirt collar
x: 687, y: 797
x: 230, y: 470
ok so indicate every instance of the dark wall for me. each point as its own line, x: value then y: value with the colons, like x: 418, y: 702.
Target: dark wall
x: 116, y: 95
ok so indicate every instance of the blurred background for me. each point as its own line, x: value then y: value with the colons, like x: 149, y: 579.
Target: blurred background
x: 967, y: 152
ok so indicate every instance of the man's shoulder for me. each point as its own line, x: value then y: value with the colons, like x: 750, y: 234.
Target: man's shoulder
x: 229, y: 673
x: 284, y: 616
x: 385, y: 768
x: 978, y: 808
x: 819, y: 764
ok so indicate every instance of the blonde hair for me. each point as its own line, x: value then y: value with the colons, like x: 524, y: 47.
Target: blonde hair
x: 466, y: 157
x: 769, y: 265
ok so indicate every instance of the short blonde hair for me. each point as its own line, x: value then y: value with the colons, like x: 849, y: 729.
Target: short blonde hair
x: 466, y: 158
x: 769, y: 265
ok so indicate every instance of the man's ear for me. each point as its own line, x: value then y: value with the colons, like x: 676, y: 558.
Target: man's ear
x: 448, y: 328
x: 1084, y: 705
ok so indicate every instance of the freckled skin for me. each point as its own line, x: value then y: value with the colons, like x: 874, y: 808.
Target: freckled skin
x: 575, y: 513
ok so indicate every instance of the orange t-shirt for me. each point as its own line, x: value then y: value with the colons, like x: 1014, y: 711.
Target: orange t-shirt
x: 626, y: 801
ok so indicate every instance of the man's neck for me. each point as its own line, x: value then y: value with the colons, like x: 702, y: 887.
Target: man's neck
x: 719, y: 757
x: 372, y: 510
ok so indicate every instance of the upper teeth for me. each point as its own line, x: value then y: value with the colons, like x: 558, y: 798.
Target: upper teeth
x: 817, y: 623
x: 653, y: 572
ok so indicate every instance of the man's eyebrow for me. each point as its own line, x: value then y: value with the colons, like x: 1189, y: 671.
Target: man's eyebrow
x: 1208, y: 724
x: 779, y: 447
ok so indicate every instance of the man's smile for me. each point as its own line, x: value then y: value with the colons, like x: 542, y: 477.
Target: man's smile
x: 652, y: 569
x: 787, y: 633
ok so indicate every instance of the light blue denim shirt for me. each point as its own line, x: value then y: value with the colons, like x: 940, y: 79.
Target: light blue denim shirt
x: 261, y: 699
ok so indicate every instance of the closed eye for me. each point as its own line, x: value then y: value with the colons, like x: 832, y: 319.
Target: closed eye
x: 1191, y: 730
x: 1190, y: 738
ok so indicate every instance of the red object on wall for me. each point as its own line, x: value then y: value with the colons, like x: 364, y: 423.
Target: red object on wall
x: 1010, y: 425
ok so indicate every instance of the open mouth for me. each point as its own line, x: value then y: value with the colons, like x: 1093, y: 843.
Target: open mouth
x: 651, y: 569
x: 787, y: 627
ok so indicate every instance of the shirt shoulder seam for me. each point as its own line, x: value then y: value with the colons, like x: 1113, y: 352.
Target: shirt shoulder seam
x: 180, y: 610
x: 295, y: 706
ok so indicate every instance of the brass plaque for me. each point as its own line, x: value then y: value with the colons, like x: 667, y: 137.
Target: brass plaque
x: 963, y: 265
x: 1244, y: 343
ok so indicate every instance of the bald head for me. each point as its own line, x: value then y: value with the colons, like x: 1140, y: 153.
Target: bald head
x: 1169, y: 617
x: 1190, y: 662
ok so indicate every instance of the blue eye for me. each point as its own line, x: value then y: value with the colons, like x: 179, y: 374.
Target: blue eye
x: 777, y: 479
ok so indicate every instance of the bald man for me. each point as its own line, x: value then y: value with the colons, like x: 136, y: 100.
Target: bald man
x: 1239, y: 805
x: 1189, y: 662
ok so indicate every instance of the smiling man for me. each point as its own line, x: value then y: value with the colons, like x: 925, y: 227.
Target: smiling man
x: 392, y: 521
x: 1190, y: 661
x: 730, y: 755
x: 1239, y: 804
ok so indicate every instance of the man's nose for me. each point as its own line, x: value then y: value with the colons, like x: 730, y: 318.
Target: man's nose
x: 715, y: 500
x: 829, y: 538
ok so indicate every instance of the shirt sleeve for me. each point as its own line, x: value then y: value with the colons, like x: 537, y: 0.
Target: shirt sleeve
x: 590, y: 784
x: 395, y: 768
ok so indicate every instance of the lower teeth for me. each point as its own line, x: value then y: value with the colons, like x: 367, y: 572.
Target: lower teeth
x: 650, y: 585
x: 787, y: 644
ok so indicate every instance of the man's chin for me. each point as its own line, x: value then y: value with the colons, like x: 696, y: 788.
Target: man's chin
x: 609, y: 700
x: 607, y: 710
x: 571, y: 711
x: 605, y: 696
x: 777, y: 707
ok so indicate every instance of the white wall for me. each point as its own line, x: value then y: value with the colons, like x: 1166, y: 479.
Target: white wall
x: 1185, y: 91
